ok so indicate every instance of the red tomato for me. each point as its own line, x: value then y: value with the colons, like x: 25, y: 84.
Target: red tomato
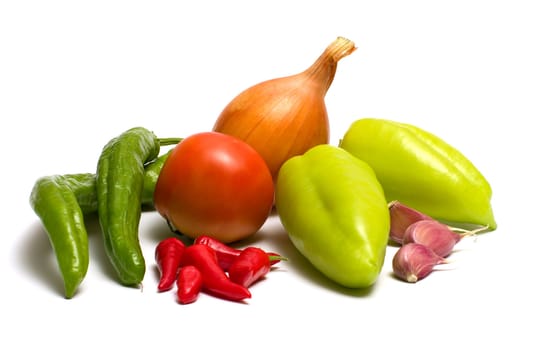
x: 214, y: 184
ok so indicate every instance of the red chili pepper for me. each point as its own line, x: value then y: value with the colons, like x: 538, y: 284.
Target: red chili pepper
x: 189, y: 284
x: 224, y: 253
x: 168, y: 255
x: 214, y: 279
x: 251, y: 265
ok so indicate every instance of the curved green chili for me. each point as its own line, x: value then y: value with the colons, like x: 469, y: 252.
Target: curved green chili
x: 54, y: 200
x: 62, y: 201
x: 84, y: 186
x: 152, y: 170
x: 119, y: 187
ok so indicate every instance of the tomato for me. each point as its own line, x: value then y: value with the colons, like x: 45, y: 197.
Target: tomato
x: 214, y: 184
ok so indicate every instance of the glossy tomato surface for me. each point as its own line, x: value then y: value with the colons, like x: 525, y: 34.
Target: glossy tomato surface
x: 214, y: 184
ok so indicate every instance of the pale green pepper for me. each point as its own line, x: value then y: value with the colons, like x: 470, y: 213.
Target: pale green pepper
x: 336, y: 215
x: 422, y: 171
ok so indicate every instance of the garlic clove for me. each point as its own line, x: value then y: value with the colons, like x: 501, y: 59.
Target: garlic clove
x: 414, y: 261
x: 435, y: 235
x: 401, y: 217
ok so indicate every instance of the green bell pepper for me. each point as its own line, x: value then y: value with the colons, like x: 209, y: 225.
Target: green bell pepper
x: 335, y: 213
x: 422, y: 171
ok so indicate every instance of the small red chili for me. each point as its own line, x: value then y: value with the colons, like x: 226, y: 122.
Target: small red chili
x: 251, y: 265
x: 189, y: 284
x: 168, y: 255
x: 214, y: 279
x: 224, y: 253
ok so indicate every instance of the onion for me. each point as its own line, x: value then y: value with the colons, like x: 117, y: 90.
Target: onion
x: 284, y: 117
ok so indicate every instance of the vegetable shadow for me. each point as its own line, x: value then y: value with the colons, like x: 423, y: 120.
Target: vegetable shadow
x: 277, y: 239
x: 156, y: 229
x: 37, y: 256
x: 97, y: 253
x: 273, y: 237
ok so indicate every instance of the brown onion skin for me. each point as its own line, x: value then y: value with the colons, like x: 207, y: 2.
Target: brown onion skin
x: 284, y: 117
x: 269, y: 128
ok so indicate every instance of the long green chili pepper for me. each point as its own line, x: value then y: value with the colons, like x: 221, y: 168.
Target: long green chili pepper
x: 119, y: 186
x: 54, y: 200
x: 84, y: 186
x: 152, y: 170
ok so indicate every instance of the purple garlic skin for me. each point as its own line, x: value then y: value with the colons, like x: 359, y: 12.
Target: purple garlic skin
x: 401, y: 217
x: 434, y: 235
x: 413, y: 262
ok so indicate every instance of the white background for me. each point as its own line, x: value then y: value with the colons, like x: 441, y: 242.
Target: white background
x: 75, y: 74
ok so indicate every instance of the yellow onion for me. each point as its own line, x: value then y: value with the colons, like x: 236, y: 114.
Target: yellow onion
x: 284, y: 117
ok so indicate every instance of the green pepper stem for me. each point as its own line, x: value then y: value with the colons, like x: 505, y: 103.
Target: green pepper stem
x: 169, y: 141
x: 273, y: 257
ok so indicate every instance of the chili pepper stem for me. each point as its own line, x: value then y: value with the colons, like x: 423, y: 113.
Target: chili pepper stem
x: 277, y: 257
x: 169, y: 141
